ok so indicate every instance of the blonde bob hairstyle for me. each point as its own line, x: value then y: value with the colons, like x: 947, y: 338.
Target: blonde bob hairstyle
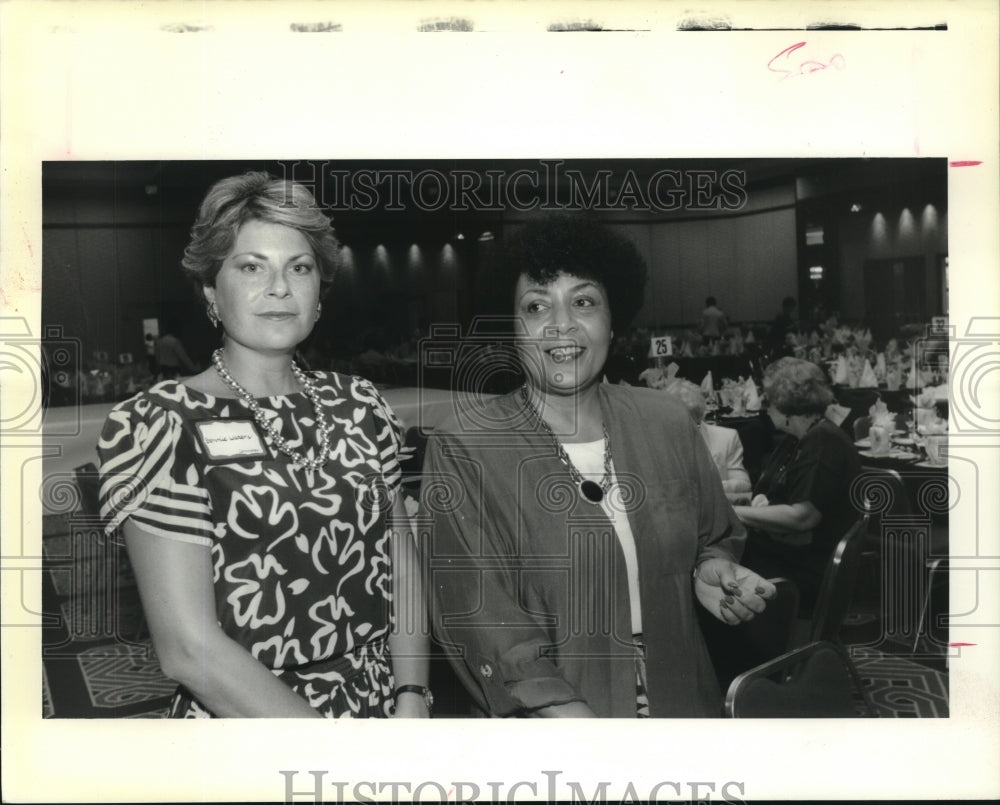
x: 233, y: 201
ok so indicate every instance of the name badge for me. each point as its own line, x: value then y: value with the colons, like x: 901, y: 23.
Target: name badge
x: 229, y: 439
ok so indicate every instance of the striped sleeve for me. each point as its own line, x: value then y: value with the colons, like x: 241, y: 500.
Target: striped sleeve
x: 389, y: 434
x: 148, y: 476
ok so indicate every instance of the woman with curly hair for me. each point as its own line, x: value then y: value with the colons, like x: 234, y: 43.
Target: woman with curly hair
x: 801, y: 505
x: 259, y: 502
x: 576, y: 524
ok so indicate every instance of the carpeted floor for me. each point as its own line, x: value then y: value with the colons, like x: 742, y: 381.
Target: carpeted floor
x: 98, y: 661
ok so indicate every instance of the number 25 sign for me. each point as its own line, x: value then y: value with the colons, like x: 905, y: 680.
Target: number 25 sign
x: 661, y: 347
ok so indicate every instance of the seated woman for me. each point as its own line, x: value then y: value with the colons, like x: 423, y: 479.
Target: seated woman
x: 802, y: 503
x: 577, y: 524
x: 723, y: 443
x: 259, y: 502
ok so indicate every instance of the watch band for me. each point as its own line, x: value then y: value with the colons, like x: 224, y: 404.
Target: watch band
x: 420, y: 690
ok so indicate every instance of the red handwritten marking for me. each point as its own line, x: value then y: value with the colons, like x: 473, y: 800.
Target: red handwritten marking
x: 964, y: 163
x: 27, y: 241
x: 805, y: 67
x: 959, y: 645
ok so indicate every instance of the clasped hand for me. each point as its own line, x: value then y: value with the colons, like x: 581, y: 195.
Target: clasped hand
x: 731, y: 592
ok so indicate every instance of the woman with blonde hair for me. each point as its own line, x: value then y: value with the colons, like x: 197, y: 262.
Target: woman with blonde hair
x: 259, y: 502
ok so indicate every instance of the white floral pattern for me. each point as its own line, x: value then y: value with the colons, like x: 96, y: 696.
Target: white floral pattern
x: 301, y: 558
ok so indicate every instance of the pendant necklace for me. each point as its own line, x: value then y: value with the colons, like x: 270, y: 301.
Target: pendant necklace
x: 591, y: 491
x: 274, y: 435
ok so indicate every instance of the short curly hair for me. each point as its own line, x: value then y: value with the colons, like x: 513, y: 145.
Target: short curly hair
x: 797, y: 387
x: 690, y: 394
x: 256, y: 196
x: 581, y: 246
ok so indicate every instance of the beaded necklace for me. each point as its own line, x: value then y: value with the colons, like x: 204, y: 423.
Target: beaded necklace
x: 273, y: 434
x: 589, y: 490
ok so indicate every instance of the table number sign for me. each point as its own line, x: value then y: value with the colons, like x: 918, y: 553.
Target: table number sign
x: 661, y: 347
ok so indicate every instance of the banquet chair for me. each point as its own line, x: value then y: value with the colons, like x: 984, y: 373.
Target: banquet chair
x: 735, y: 649
x: 815, y: 681
x: 899, y: 550
x: 929, y: 618
x: 836, y: 589
x: 108, y: 573
x: 862, y: 427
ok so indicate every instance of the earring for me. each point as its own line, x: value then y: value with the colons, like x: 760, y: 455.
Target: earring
x: 213, y: 315
x: 319, y: 309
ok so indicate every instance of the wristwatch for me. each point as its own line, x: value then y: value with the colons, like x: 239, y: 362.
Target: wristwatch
x: 420, y: 690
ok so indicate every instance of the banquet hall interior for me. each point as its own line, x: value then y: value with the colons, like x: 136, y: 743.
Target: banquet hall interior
x: 859, y: 245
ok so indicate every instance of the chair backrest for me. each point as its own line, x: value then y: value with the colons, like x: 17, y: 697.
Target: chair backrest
x: 769, y: 634
x: 415, y: 448
x: 862, y: 427
x: 880, y: 491
x: 735, y: 649
x: 839, y: 581
x: 868, y: 493
x: 815, y: 681
x: 88, y: 481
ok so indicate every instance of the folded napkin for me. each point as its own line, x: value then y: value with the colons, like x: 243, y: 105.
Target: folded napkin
x: 706, y: 384
x: 654, y: 378
x: 836, y: 413
x: 893, y: 378
x: 749, y: 339
x: 686, y: 352
x: 671, y: 370
x: 933, y: 428
x: 882, y: 416
x: 751, y: 396
x: 868, y: 379
x: 840, y: 371
x: 880, y: 368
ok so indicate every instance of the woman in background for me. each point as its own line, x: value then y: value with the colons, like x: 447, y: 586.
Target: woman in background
x: 802, y: 504
x: 259, y: 503
x: 723, y: 443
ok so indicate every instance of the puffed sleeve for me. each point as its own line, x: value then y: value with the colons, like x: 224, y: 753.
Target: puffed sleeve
x: 734, y: 455
x: 489, y: 625
x: 721, y: 534
x: 389, y: 433
x: 147, y: 475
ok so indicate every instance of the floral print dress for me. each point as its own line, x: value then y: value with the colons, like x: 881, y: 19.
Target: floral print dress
x: 300, y: 558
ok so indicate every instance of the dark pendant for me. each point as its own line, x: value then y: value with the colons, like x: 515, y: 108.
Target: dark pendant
x: 591, y: 491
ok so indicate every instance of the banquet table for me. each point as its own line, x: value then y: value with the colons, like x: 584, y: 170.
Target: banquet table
x: 721, y: 366
x: 926, y: 484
